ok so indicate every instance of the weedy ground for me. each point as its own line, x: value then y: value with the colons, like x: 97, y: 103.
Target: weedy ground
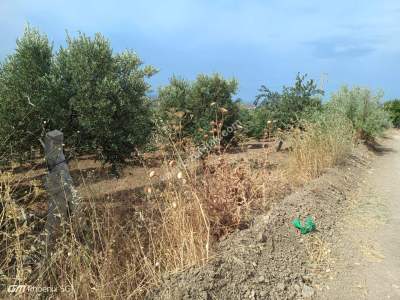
x: 127, y: 240
x: 122, y: 247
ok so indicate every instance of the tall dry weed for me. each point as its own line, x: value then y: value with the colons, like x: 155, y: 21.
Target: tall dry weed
x: 122, y: 249
x: 319, y: 145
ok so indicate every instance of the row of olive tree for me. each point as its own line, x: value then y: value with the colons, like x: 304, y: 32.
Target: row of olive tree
x: 303, y: 102
x: 98, y: 98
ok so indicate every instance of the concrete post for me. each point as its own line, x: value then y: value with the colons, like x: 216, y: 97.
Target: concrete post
x: 63, y: 198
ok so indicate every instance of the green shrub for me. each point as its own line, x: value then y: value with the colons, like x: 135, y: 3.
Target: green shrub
x: 293, y: 104
x: 254, y: 120
x: 363, y: 108
x: 393, y: 108
x: 197, y: 108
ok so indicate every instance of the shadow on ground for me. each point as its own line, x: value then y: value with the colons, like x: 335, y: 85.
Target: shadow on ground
x: 378, y: 149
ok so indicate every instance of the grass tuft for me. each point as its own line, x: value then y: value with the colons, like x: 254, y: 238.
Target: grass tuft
x: 320, y: 145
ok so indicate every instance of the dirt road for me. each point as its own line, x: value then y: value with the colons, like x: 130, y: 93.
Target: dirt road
x: 366, y: 253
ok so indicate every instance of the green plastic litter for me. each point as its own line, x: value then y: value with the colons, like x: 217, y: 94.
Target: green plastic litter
x: 309, y: 225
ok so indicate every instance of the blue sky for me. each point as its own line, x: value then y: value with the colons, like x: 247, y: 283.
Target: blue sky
x: 258, y: 42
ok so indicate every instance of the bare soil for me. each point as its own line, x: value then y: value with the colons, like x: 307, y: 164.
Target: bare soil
x: 95, y: 181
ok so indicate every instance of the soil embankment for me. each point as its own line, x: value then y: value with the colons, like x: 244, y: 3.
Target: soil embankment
x: 271, y: 260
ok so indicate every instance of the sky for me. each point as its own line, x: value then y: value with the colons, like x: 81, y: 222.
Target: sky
x: 258, y: 42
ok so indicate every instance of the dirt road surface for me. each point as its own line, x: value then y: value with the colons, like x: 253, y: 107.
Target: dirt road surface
x: 367, y: 250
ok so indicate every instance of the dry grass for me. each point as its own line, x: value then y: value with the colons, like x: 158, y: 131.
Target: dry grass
x: 123, y: 249
x: 321, y: 145
x: 319, y: 253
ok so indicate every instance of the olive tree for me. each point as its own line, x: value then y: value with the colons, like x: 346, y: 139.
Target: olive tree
x: 363, y: 108
x: 106, y: 97
x: 201, y: 106
x: 393, y: 108
x: 293, y: 104
x: 25, y: 106
x: 96, y: 97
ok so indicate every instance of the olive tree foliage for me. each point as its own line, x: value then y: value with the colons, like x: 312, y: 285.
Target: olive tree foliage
x: 363, y: 108
x: 393, y: 108
x: 254, y: 120
x: 25, y: 105
x: 293, y: 104
x: 198, y: 107
x: 173, y: 105
x: 96, y: 97
x: 105, y: 95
